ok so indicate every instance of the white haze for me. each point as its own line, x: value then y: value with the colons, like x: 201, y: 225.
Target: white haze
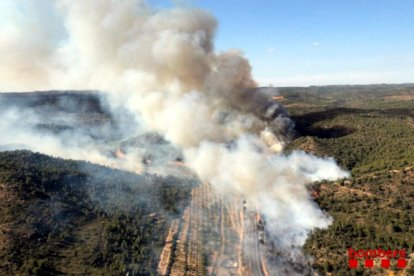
x: 161, y: 65
x: 19, y: 128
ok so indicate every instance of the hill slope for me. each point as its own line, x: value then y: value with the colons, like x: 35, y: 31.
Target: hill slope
x: 59, y: 216
x: 369, y: 130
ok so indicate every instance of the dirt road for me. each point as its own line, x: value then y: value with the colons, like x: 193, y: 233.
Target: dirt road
x: 215, y: 236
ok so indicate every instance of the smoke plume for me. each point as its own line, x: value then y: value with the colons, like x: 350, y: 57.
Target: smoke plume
x: 162, y: 66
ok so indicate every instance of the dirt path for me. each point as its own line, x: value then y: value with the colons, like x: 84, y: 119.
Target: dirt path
x: 212, y: 239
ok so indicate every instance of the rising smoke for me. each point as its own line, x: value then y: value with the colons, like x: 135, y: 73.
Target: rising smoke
x: 162, y: 66
x: 75, y: 131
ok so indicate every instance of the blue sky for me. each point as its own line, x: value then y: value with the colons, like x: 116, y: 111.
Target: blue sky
x: 309, y: 42
x: 315, y: 42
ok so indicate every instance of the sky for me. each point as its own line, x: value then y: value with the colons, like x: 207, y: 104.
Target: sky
x: 314, y: 42
x: 318, y: 42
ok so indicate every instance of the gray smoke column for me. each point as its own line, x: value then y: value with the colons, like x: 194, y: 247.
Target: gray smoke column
x: 161, y: 64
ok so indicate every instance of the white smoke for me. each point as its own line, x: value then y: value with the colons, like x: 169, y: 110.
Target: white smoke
x: 161, y: 64
x: 275, y: 183
x: 19, y: 128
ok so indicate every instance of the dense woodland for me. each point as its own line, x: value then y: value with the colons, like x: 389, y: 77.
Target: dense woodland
x: 59, y: 216
x: 369, y: 130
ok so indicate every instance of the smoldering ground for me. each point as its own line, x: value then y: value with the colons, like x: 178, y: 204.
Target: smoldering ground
x: 161, y: 66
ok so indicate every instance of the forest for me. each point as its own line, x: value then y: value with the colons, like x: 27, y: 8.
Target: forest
x: 369, y: 131
x: 69, y: 217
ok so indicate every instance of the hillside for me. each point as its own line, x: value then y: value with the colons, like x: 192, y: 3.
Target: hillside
x: 369, y: 130
x: 59, y: 216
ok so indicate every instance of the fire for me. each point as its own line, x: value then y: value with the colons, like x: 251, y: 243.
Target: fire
x: 119, y: 154
x: 278, y: 98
